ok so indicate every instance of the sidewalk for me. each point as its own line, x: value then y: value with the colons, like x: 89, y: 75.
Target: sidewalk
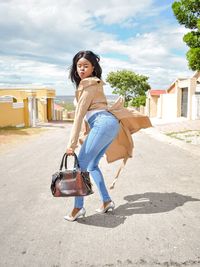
x: 180, y: 132
x: 178, y: 125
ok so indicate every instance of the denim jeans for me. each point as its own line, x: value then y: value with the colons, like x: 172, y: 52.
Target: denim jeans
x: 104, y: 128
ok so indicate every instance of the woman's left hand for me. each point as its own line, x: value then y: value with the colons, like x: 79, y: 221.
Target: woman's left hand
x: 70, y: 151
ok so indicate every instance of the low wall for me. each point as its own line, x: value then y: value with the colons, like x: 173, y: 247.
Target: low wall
x: 11, y: 114
x: 63, y: 115
x: 169, y: 106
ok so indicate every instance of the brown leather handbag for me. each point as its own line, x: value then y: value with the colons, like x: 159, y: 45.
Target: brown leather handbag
x: 68, y: 183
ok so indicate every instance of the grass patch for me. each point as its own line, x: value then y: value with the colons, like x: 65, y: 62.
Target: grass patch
x: 181, y: 132
x: 189, y: 136
x: 190, y: 132
x: 174, y: 135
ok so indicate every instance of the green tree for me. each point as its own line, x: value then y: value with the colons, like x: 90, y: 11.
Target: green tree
x: 128, y: 84
x: 138, y: 101
x: 187, y: 13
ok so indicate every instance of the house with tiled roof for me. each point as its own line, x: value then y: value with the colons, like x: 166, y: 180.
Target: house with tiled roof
x: 153, y: 102
x: 180, y: 99
x: 186, y: 92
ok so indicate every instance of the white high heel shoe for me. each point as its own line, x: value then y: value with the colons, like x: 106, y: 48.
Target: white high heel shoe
x: 80, y: 213
x: 109, y: 206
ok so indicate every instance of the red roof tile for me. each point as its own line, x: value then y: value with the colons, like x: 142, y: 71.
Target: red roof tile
x: 157, y: 92
x: 57, y: 107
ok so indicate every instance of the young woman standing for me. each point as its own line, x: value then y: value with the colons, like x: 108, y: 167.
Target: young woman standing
x: 110, y: 128
x: 104, y: 126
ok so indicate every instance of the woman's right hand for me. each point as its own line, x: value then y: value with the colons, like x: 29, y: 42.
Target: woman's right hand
x: 70, y: 151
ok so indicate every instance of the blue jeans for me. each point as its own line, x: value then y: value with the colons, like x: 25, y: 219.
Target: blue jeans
x: 104, y: 128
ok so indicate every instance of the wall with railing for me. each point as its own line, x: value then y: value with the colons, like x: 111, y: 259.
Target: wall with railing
x: 11, y: 113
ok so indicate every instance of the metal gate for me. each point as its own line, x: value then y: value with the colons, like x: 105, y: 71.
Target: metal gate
x: 184, y: 102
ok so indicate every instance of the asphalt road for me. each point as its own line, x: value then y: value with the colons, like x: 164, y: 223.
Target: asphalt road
x: 156, y: 220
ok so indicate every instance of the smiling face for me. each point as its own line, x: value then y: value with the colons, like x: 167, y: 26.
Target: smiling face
x: 84, y: 68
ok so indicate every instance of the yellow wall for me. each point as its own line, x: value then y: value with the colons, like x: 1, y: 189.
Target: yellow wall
x: 42, y: 111
x: 49, y: 93
x: 45, y: 113
x: 14, y: 116
x: 26, y: 113
x: 10, y: 116
x: 19, y: 95
x: 49, y: 109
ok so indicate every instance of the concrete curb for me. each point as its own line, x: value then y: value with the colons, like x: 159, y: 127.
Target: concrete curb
x: 156, y: 134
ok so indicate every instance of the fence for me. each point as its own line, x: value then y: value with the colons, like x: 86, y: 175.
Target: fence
x: 63, y: 115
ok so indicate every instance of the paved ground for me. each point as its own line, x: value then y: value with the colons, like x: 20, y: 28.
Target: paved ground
x: 156, y: 221
x: 178, y: 125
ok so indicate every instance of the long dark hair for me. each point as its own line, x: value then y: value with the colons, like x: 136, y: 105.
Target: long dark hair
x: 90, y: 56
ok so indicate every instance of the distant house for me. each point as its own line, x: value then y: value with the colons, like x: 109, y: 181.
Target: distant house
x: 153, y: 102
x: 186, y: 94
x: 181, y: 99
x: 59, y: 112
x: 58, y: 107
x: 26, y: 107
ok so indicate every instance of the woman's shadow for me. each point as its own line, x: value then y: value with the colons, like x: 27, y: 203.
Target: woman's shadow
x: 147, y: 203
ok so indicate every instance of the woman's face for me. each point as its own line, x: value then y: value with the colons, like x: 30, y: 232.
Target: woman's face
x: 84, y: 68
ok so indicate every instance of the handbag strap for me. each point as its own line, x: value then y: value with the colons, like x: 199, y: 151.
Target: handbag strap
x: 64, y: 160
x: 76, y: 163
x: 61, y: 164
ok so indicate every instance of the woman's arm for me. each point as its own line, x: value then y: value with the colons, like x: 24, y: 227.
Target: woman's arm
x: 83, y: 104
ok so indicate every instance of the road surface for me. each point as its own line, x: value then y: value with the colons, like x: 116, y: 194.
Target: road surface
x: 156, y: 220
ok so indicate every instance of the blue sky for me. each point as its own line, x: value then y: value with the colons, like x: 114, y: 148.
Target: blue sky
x: 40, y: 38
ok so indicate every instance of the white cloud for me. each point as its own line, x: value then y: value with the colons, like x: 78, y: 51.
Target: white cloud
x: 117, y: 11
x: 152, y: 54
x: 15, y: 72
x: 39, y: 39
x: 149, y: 48
x: 159, y: 77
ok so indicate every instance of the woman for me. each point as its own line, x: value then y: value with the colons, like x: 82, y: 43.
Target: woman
x: 108, y: 127
x: 91, y: 104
